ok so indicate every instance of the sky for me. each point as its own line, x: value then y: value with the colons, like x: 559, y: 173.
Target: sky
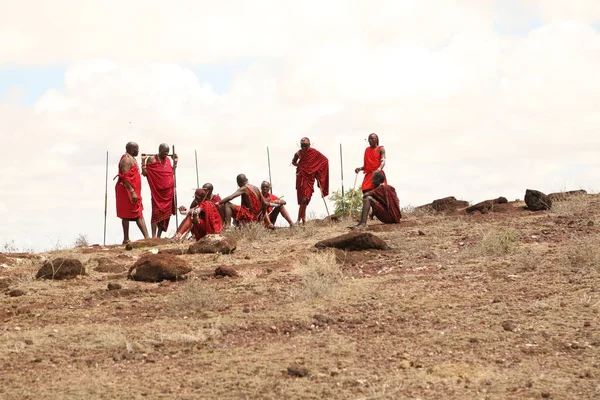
x: 472, y: 99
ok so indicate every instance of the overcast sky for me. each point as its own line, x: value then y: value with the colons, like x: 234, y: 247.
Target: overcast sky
x: 475, y: 99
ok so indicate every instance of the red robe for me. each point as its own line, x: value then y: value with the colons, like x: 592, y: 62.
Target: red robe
x: 371, y: 162
x: 245, y: 214
x: 312, y: 166
x: 209, y: 222
x: 387, y: 209
x: 162, y: 188
x: 126, y: 209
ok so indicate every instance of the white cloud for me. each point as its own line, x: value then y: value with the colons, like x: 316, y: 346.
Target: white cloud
x: 461, y: 109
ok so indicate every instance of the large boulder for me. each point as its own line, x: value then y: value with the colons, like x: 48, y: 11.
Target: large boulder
x: 486, y: 206
x: 213, y: 244
x: 159, y: 267
x: 562, y: 196
x: 537, y: 201
x: 354, y: 241
x: 60, y: 268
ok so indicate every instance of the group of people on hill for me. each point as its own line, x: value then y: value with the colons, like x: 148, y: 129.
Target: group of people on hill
x: 210, y: 214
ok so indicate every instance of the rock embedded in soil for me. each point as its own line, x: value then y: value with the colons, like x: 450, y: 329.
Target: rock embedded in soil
x: 114, y: 286
x: 107, y: 265
x: 509, y: 326
x: 213, y: 244
x: 297, y: 370
x: 354, y: 241
x: 226, y: 271
x: 61, y: 268
x: 537, y: 201
x: 486, y: 206
x: 448, y: 204
x: 16, y: 293
x: 159, y: 267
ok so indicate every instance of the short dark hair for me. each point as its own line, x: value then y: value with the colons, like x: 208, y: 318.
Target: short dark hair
x: 378, y: 177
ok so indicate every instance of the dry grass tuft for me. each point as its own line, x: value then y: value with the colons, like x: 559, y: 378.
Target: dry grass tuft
x: 584, y: 254
x: 498, y: 243
x: 249, y: 232
x: 196, y: 296
x: 573, y: 206
x: 319, y: 275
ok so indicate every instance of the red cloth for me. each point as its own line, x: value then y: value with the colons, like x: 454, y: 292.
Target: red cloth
x: 209, y: 222
x: 371, y: 162
x: 270, y: 198
x: 162, y: 188
x: 387, y: 209
x: 245, y: 214
x: 312, y: 166
x: 126, y: 209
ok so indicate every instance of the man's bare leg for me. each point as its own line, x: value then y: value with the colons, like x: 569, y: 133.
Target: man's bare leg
x: 286, y: 215
x: 125, y: 224
x: 227, y: 214
x: 154, y: 227
x: 365, y: 213
x: 302, y: 212
x: 141, y: 223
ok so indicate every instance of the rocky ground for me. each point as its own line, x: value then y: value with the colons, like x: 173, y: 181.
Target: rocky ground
x: 497, y: 304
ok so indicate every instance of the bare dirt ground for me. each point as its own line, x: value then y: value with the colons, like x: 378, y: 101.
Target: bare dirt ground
x: 487, y: 306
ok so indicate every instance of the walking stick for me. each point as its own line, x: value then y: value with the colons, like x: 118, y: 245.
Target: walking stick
x: 324, y: 202
x: 105, y: 199
x: 269, y: 163
x: 352, y: 198
x: 342, y: 172
x: 197, y: 178
x: 175, y: 191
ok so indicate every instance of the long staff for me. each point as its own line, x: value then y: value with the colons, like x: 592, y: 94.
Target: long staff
x: 353, y: 195
x: 323, y: 197
x: 269, y: 163
x: 175, y: 191
x: 105, y: 199
x: 197, y: 178
x: 342, y: 172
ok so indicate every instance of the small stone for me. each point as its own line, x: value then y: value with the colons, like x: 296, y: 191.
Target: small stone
x: 545, y: 395
x: 404, y: 364
x: 128, y: 246
x: 590, y: 223
x: 226, y: 271
x: 488, y: 382
x: 587, y: 324
x: 421, y: 233
x: 16, y: 293
x: 509, y: 326
x: 298, y: 371
x: 28, y: 342
x: 114, y: 286
x: 246, y: 310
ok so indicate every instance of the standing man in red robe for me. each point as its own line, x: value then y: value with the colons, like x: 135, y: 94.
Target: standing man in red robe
x: 159, y: 171
x: 374, y: 161
x: 128, y: 192
x: 383, y: 200
x: 276, y: 207
x: 310, y: 165
x: 252, y: 209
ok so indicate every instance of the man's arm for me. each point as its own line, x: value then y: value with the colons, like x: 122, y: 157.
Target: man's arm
x: 296, y: 158
x: 146, y: 161
x: 382, y: 155
x: 237, y: 193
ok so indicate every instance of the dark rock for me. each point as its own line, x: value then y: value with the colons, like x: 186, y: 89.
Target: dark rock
x: 114, y: 286
x: 213, y: 244
x: 226, y: 271
x: 158, y: 267
x: 562, y: 196
x: 16, y: 293
x: 421, y: 233
x: 537, y: 201
x: 107, y: 265
x: 486, y: 206
x: 28, y: 342
x: 61, y: 268
x: 354, y: 241
x: 509, y: 326
x: 448, y: 204
x: 297, y: 370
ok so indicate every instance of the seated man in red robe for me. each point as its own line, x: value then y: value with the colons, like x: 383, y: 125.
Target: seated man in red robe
x: 128, y: 192
x: 160, y: 176
x: 186, y: 224
x: 311, y: 165
x: 382, y: 200
x: 203, y: 217
x: 252, y: 209
x: 276, y: 206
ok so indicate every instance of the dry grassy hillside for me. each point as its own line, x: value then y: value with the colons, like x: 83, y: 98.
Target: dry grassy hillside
x: 486, y: 306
